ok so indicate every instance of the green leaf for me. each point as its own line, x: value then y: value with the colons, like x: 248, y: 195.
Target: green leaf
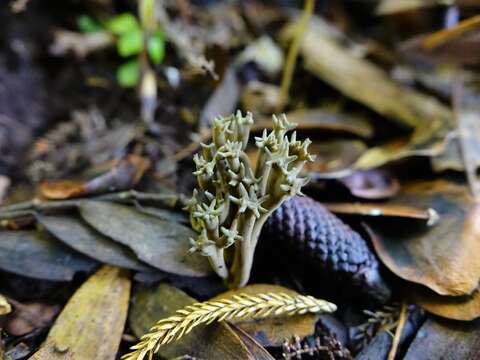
x: 128, y: 74
x: 87, y: 24
x: 156, y: 47
x: 130, y: 44
x: 123, y: 24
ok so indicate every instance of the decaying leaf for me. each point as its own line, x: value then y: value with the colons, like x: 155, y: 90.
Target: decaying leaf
x: 273, y: 331
x: 324, y: 118
x: 467, y: 111
x: 363, y: 81
x: 30, y: 316
x: 214, y: 342
x: 441, y: 339
x: 390, y: 210
x: 80, y: 44
x: 75, y: 233
x: 90, y: 326
x: 5, y: 307
x: 257, y: 350
x: 39, y: 255
x: 439, y: 257
x: 371, y: 184
x: 464, y: 308
x: 334, y: 158
x: 124, y: 175
x: 159, y: 243
x: 388, y: 7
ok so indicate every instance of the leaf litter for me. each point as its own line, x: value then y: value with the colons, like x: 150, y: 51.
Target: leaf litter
x: 386, y: 91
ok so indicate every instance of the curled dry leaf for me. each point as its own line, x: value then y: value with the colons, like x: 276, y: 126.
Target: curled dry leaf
x: 76, y: 233
x: 273, y: 331
x: 38, y: 255
x: 124, y: 175
x: 439, y: 257
x: 214, y: 342
x: 371, y: 184
x: 161, y: 244
x: 90, y: 326
x: 30, y: 316
x: 464, y: 308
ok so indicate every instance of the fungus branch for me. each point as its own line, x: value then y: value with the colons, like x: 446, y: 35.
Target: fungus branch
x: 233, y: 200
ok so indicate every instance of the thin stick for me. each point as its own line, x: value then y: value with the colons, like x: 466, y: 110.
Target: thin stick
x: 293, y: 53
x: 441, y: 37
x: 398, y: 332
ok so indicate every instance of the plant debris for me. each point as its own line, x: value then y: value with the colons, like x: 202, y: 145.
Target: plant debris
x: 357, y: 183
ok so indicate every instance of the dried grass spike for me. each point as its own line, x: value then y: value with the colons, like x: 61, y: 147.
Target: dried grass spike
x: 239, y: 307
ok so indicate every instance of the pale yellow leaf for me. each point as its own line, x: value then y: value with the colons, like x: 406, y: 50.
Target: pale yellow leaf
x: 90, y: 326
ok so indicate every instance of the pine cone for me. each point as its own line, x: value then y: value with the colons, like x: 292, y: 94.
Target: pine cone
x: 307, y: 230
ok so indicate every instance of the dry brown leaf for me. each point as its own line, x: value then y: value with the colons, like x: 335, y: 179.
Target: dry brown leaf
x: 61, y: 189
x: 363, y: 81
x: 257, y: 350
x: 30, y: 316
x: 464, y: 308
x: 371, y: 184
x: 380, y: 210
x: 334, y: 158
x: 5, y: 307
x: 90, y: 326
x: 273, y: 331
x: 326, y: 118
x: 389, y: 7
x: 124, y: 175
x: 440, y: 256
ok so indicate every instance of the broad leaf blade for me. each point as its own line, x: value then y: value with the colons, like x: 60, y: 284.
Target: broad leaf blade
x: 439, y: 257
x: 75, y: 233
x: 162, y: 244
x: 38, y: 255
x: 90, y: 326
